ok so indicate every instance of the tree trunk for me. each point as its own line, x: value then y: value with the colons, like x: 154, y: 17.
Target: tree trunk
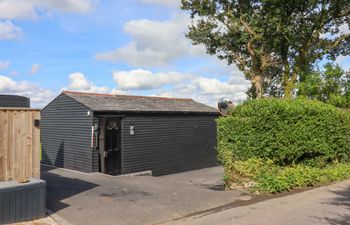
x: 289, y: 86
x: 256, y: 81
x: 288, y: 90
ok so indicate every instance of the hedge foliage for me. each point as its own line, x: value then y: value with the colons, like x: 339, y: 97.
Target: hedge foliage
x: 270, y: 178
x: 286, y: 133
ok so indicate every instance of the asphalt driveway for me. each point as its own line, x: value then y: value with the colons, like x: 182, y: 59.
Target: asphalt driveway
x: 327, y: 205
x: 86, y: 199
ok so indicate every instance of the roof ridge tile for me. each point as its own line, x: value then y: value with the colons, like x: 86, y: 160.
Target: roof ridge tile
x: 125, y: 96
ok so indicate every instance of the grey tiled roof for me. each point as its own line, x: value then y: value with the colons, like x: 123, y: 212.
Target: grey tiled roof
x: 129, y: 103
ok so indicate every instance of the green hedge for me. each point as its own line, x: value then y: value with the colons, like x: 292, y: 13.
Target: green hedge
x: 266, y: 177
x: 286, y: 132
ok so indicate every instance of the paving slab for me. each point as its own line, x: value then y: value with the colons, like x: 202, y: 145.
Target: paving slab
x: 86, y: 199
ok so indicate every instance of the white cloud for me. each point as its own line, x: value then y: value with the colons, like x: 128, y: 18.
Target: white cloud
x: 9, y: 85
x: 154, y: 43
x: 175, y: 84
x: 116, y: 91
x: 35, y: 68
x: 343, y: 61
x: 210, y: 90
x: 78, y: 82
x: 207, y: 90
x: 31, y: 9
x: 202, y: 89
x: 175, y: 3
x: 143, y: 79
x: 38, y: 96
x: 8, y: 31
x: 70, y: 6
x: 344, y: 29
x: 14, y: 9
x: 212, y: 86
x: 4, y: 64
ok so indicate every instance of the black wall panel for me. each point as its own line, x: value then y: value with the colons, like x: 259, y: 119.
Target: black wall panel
x: 66, y: 134
x: 168, y: 143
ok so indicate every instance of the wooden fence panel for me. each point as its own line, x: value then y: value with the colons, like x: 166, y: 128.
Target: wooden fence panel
x: 19, y: 144
x: 3, y: 146
x: 36, y: 147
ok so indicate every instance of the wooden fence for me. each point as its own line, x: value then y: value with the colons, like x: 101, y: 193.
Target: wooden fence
x: 19, y: 144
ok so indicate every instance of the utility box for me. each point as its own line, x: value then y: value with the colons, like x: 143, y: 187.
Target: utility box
x: 22, y: 202
x: 14, y: 101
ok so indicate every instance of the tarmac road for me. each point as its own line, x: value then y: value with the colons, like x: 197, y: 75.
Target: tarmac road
x: 324, y: 205
x: 97, y: 199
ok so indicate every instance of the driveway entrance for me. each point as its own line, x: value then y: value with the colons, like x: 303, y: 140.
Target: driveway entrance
x: 102, y: 199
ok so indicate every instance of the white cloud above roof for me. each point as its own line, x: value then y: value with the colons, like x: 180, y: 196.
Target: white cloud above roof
x: 38, y: 95
x: 8, y: 31
x: 144, y: 79
x: 172, y: 3
x: 32, y: 9
x: 209, y: 90
x: 153, y: 43
x: 183, y: 85
x: 78, y: 82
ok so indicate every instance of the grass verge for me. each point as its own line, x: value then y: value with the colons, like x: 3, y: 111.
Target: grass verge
x: 263, y: 176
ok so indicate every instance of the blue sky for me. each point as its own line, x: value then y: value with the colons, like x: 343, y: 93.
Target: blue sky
x: 123, y: 47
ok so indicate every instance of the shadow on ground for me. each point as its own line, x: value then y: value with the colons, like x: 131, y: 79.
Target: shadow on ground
x: 64, y: 187
x: 343, y: 200
x: 90, y: 199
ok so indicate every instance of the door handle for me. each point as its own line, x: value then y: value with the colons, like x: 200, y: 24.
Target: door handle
x: 95, y: 143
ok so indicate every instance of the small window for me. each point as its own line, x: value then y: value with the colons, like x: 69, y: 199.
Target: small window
x: 112, y: 125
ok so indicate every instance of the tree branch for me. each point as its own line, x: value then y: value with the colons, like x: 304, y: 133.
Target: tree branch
x: 244, y: 23
x: 338, y: 40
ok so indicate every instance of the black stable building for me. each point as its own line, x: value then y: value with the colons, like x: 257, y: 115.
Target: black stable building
x: 120, y: 134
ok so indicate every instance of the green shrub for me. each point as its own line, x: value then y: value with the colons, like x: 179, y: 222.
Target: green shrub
x: 270, y: 178
x: 274, y: 145
x: 286, y: 132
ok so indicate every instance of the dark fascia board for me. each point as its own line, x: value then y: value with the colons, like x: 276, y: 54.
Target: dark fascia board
x: 69, y: 97
x: 156, y: 112
x: 50, y: 102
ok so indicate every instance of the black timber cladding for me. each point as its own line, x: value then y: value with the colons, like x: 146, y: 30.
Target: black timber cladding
x: 66, y: 134
x: 14, y: 101
x: 168, y: 143
x: 178, y: 135
x: 22, y: 202
x: 95, y: 152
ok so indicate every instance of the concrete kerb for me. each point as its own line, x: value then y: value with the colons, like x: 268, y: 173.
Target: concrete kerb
x: 141, y: 173
x: 56, y: 218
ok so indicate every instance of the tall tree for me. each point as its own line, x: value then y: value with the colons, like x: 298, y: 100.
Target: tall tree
x: 275, y: 43
x: 330, y: 85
